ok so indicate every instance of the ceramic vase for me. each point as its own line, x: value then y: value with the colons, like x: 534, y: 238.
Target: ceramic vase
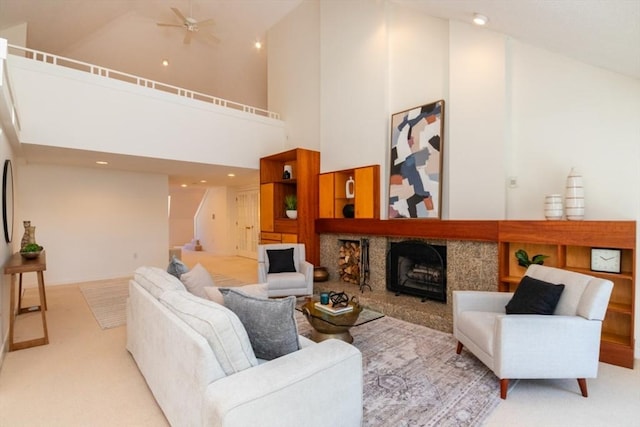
x: 350, y: 188
x: 553, y: 207
x: 29, y: 235
x: 574, y: 197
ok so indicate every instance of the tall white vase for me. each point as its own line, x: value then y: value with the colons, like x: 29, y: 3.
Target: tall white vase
x: 574, y: 197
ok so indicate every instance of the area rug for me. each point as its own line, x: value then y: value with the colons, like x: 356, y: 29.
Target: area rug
x: 413, y: 377
x: 107, y: 301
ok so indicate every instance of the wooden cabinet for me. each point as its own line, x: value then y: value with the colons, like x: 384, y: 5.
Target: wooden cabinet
x: 568, y: 245
x: 303, y: 167
x: 364, y: 182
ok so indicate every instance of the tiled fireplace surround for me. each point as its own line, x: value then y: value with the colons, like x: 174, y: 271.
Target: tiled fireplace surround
x: 471, y: 265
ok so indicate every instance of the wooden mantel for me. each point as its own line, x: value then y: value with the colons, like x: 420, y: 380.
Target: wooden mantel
x: 480, y: 230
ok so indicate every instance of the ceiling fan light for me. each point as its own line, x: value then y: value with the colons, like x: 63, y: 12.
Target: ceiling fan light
x: 479, y: 19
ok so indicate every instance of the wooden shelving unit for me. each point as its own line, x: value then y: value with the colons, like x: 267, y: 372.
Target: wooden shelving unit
x: 275, y: 227
x: 333, y: 194
x: 569, y: 244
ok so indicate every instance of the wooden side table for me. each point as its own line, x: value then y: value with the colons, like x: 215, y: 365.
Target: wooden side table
x: 17, y: 264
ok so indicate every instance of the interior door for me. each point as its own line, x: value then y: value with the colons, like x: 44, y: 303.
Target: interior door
x: 247, y: 206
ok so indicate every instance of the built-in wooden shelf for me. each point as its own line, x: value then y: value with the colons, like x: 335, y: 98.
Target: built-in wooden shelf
x: 418, y: 228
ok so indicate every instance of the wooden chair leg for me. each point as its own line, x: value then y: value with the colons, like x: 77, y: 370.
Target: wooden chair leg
x: 583, y: 387
x: 459, y: 349
x: 504, y: 385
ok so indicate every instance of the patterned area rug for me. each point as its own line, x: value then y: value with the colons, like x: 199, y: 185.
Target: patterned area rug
x: 413, y: 377
x: 107, y: 301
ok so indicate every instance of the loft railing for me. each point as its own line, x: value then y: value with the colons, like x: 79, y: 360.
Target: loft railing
x: 137, y: 80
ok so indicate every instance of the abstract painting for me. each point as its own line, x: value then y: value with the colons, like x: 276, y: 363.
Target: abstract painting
x: 415, y: 173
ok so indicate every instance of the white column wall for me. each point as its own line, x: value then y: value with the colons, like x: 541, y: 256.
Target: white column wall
x: 294, y: 75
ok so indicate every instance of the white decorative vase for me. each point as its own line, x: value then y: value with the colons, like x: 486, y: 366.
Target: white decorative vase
x: 350, y: 188
x: 553, y: 207
x: 574, y: 197
x: 291, y: 214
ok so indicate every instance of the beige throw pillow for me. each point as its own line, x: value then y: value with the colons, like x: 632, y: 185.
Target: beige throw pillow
x: 197, y: 280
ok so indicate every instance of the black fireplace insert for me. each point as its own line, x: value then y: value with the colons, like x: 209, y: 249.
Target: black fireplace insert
x: 417, y: 268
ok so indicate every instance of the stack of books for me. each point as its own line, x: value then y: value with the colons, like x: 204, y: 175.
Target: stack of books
x: 328, y: 308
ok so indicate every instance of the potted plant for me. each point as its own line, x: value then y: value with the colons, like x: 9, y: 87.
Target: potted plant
x: 291, y: 205
x: 523, y: 258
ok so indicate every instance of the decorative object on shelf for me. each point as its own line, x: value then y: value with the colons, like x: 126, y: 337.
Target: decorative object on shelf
x: 29, y: 235
x: 574, y: 196
x: 553, y: 207
x: 523, y: 258
x: 606, y: 260
x: 349, y: 189
x: 288, y: 172
x: 320, y: 274
x: 415, y: 170
x: 291, y: 206
x: 7, y: 201
x: 31, y: 251
x: 349, y: 210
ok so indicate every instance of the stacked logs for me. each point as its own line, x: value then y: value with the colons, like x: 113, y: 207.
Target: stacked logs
x: 349, y: 262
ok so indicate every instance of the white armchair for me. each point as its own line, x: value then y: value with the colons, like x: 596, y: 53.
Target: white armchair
x: 563, y: 345
x: 281, y: 284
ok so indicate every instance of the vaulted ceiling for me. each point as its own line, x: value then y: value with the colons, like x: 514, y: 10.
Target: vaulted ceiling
x: 123, y: 35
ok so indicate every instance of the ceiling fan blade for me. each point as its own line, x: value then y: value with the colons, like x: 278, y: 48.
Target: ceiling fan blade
x: 162, y: 24
x: 211, y: 37
x: 179, y: 14
x: 187, y: 37
x: 205, y: 22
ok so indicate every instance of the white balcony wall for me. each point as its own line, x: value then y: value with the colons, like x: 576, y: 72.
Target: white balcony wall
x: 63, y: 107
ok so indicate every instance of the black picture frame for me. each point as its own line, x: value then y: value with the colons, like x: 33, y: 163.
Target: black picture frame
x: 7, y: 200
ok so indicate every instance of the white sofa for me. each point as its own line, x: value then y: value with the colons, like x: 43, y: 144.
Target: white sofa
x: 320, y: 383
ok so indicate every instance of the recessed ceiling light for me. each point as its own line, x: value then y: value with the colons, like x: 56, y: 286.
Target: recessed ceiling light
x: 203, y: 181
x: 101, y: 162
x: 231, y: 175
x: 183, y: 185
x: 258, y: 45
x: 479, y: 19
x: 165, y: 62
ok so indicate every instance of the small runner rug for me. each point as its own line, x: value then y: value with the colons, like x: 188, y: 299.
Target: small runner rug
x: 107, y: 301
x: 413, y: 376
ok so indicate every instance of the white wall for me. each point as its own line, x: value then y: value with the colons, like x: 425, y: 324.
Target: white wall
x: 215, y: 221
x: 184, y: 204
x: 94, y: 224
x: 6, y: 250
x: 294, y: 75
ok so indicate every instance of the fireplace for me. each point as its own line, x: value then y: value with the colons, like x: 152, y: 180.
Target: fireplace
x: 417, y: 268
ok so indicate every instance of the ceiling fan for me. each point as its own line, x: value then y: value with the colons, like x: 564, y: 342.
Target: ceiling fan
x: 191, y: 25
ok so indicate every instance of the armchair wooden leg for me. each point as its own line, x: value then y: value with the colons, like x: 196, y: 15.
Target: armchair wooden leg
x: 583, y: 387
x: 504, y: 385
x: 459, y: 348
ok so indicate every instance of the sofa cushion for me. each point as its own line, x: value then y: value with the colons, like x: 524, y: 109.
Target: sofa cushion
x: 218, y: 325
x: 176, y: 267
x: 281, y: 261
x: 258, y: 290
x: 270, y: 323
x: 533, y: 296
x: 156, y: 281
x: 197, y: 280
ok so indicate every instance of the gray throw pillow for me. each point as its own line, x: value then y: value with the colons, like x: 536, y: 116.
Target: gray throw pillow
x: 270, y: 323
x: 176, y: 267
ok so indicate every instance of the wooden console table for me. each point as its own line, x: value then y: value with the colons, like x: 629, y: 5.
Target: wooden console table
x: 17, y: 264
